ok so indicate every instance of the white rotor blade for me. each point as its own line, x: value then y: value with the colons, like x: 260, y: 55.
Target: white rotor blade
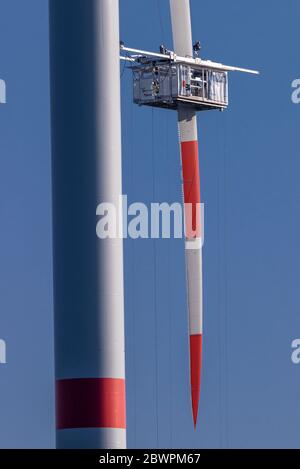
x: 181, y: 26
x: 187, y: 121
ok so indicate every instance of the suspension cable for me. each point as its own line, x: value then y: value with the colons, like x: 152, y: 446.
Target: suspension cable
x: 155, y: 282
x: 170, y: 317
x: 158, y: 3
x: 132, y: 153
x: 226, y: 364
x: 222, y: 260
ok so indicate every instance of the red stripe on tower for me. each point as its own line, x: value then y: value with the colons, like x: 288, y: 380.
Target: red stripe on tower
x: 90, y: 403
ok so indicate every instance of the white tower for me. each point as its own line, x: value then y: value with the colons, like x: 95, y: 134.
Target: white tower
x: 88, y: 272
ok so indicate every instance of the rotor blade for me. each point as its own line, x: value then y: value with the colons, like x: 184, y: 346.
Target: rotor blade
x: 181, y: 26
x: 193, y: 245
x: 187, y: 120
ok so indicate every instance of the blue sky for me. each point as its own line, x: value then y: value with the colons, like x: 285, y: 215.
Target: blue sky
x: 250, y: 186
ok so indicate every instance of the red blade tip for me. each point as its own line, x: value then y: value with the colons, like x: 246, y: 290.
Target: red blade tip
x: 195, y: 370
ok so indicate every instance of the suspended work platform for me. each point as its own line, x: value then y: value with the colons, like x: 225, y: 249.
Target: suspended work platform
x: 166, y: 85
x: 167, y: 80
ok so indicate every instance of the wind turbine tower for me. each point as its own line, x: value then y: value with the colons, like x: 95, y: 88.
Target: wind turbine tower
x: 88, y: 272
